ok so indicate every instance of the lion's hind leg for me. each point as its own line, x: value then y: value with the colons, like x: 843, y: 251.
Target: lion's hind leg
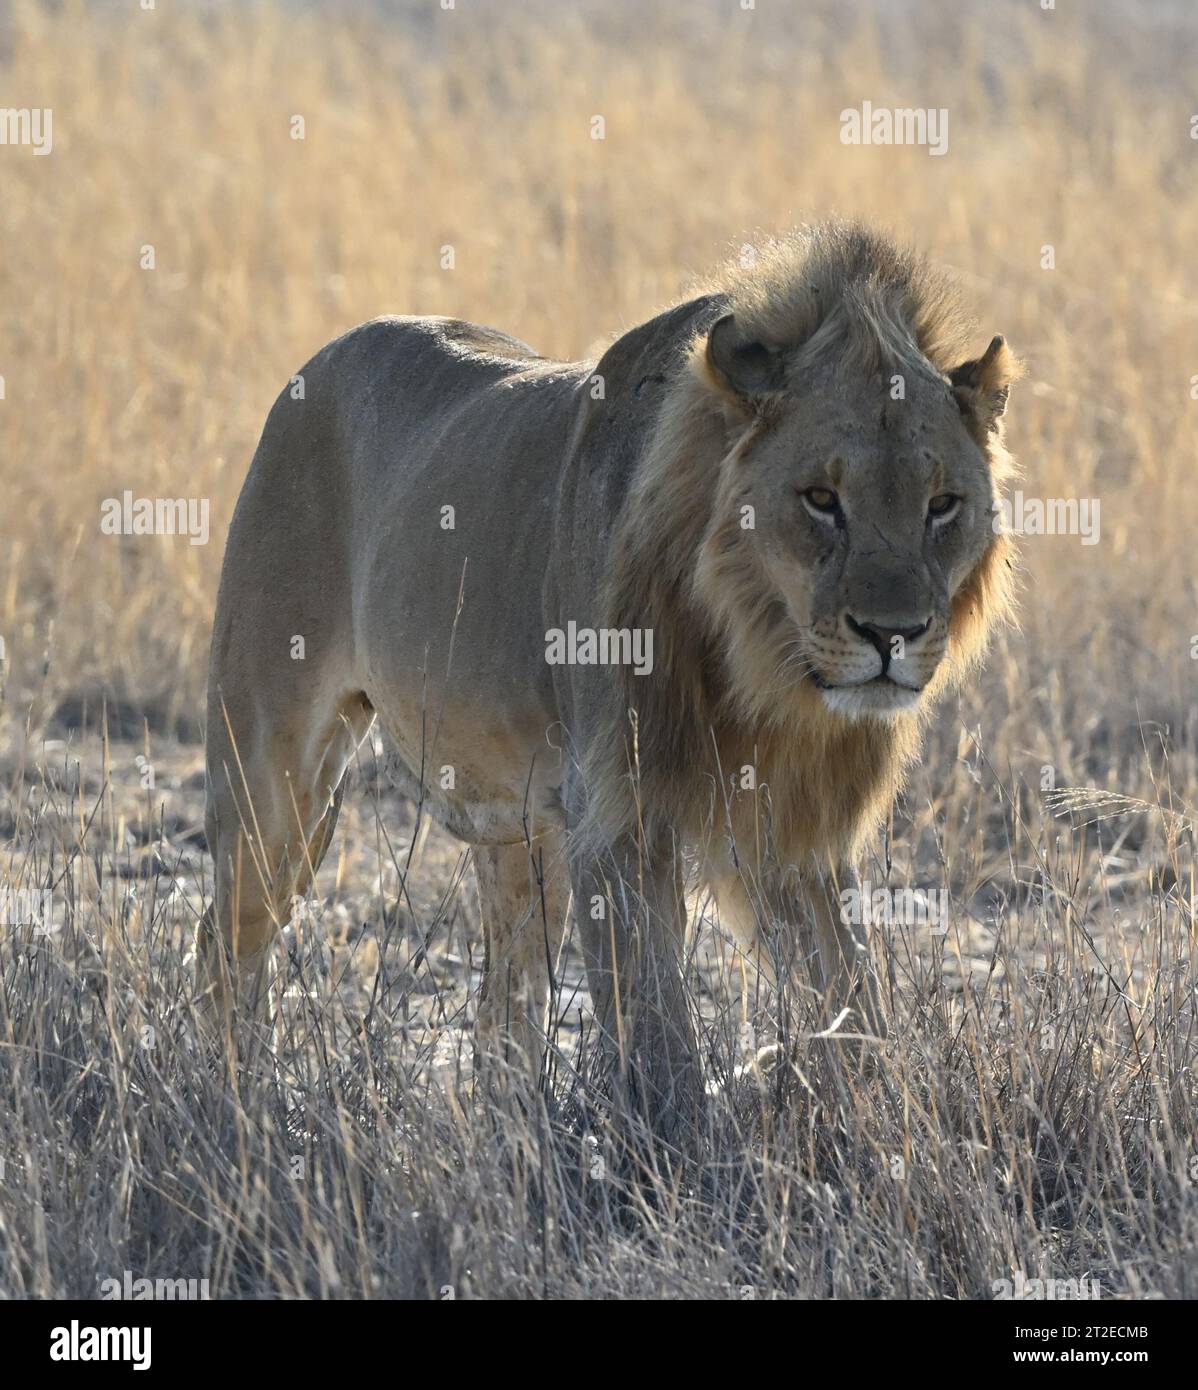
x: 273, y: 797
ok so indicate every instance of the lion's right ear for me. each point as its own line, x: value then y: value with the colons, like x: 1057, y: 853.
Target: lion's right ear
x: 982, y: 385
x: 743, y: 366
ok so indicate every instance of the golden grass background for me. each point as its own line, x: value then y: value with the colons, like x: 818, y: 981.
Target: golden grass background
x: 472, y: 129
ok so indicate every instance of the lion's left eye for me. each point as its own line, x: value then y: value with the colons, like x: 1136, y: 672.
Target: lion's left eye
x: 942, y: 507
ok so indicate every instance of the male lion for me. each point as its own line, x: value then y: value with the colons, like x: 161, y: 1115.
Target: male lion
x: 771, y: 507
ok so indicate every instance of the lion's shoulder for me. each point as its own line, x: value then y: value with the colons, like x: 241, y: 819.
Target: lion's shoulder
x: 631, y: 380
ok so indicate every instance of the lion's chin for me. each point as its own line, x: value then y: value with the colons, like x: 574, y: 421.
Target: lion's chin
x: 876, y: 699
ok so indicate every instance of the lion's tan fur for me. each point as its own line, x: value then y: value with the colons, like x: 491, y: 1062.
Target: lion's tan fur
x: 614, y: 509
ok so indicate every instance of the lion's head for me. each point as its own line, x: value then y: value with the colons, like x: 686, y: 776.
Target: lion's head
x: 855, y: 507
x: 811, y: 534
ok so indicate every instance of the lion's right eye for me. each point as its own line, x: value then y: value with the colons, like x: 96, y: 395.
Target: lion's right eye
x: 822, y: 501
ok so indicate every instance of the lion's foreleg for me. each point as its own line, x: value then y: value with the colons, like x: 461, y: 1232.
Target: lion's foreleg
x: 631, y: 917
x: 847, y: 975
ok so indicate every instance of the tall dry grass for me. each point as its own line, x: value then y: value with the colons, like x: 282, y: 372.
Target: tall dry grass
x: 474, y: 130
x: 1040, y: 1090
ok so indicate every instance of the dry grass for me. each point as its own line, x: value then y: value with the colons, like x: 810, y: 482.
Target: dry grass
x: 1039, y: 1091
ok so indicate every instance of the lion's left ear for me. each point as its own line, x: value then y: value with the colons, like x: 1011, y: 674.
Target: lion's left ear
x: 982, y: 385
x: 741, y: 365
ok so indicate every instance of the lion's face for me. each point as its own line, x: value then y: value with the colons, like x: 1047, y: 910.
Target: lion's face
x: 871, y: 513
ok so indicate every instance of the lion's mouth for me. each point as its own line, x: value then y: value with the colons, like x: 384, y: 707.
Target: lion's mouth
x: 880, y: 697
x: 884, y: 678
x: 882, y: 681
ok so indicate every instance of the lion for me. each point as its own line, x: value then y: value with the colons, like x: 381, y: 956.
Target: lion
x: 690, y: 603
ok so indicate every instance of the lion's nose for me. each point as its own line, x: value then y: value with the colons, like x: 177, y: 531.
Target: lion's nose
x: 883, y: 638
